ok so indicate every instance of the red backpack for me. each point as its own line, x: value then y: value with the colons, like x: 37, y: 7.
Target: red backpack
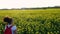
x: 8, y: 30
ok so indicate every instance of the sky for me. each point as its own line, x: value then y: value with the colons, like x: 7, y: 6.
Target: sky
x: 28, y: 3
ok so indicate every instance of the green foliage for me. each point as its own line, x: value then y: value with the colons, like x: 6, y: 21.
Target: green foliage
x: 33, y: 21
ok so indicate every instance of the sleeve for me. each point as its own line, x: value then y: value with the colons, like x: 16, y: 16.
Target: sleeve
x: 14, y: 28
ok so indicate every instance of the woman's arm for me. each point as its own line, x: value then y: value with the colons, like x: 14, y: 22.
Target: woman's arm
x: 15, y: 32
x: 3, y: 31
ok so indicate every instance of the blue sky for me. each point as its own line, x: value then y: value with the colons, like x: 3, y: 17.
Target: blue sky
x: 28, y: 3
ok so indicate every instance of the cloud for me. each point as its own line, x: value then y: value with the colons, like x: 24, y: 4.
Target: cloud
x: 28, y: 3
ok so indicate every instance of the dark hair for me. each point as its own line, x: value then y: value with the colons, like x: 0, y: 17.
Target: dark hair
x: 8, y: 20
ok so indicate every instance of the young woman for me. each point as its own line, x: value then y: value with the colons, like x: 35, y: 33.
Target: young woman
x: 9, y: 27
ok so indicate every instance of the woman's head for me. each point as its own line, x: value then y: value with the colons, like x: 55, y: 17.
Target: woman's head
x: 8, y: 20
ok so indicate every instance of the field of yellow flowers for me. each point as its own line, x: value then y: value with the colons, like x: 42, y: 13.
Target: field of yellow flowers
x: 39, y: 21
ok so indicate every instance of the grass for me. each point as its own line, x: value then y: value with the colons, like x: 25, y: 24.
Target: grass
x: 39, y: 21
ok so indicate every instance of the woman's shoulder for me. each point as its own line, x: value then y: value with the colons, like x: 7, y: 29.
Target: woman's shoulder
x: 14, y: 27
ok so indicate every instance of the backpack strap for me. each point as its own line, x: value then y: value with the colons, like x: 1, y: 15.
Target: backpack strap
x: 9, y: 27
x: 6, y: 26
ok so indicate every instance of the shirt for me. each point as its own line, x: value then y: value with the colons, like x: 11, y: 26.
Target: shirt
x: 13, y: 28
